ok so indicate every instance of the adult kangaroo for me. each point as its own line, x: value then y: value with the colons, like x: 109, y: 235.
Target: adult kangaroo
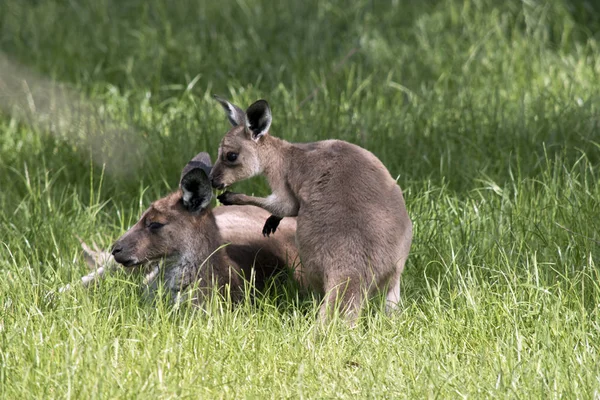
x: 183, y: 232
x: 353, y: 230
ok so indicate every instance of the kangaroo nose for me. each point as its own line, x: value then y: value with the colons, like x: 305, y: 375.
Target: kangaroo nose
x: 116, y: 249
x: 216, y: 185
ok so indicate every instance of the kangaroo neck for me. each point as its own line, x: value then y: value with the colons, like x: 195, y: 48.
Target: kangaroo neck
x: 204, y: 249
x: 272, y: 154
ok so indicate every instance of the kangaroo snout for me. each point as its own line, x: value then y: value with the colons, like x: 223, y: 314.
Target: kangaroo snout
x: 116, y: 249
x: 121, y: 256
x: 216, y: 182
x: 217, y: 185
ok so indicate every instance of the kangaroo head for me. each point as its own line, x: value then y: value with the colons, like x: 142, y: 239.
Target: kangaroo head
x: 175, y: 225
x: 238, y: 157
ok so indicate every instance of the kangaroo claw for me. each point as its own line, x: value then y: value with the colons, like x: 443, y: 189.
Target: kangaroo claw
x: 271, y: 225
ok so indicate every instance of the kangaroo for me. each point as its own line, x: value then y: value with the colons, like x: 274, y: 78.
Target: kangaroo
x: 182, y: 230
x: 353, y: 230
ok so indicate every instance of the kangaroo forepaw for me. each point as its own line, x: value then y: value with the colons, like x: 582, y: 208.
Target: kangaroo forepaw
x: 227, y: 198
x: 271, y: 225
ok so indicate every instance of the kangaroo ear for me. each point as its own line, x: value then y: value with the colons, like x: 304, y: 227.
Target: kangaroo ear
x: 201, y: 160
x: 196, y: 188
x: 235, y: 115
x: 258, y: 119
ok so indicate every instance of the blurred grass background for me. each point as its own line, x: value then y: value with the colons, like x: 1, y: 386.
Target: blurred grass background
x: 487, y: 112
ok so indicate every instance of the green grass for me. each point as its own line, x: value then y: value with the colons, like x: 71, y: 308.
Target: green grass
x: 488, y: 112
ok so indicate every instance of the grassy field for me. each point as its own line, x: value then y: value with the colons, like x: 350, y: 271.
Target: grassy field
x: 487, y: 112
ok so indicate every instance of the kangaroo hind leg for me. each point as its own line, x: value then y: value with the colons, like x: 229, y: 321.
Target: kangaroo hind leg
x: 346, y: 296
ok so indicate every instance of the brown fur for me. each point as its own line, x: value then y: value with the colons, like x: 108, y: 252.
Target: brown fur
x: 188, y: 242
x: 354, y: 233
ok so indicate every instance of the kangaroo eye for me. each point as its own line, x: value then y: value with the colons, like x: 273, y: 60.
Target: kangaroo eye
x: 231, y: 156
x: 155, y: 225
